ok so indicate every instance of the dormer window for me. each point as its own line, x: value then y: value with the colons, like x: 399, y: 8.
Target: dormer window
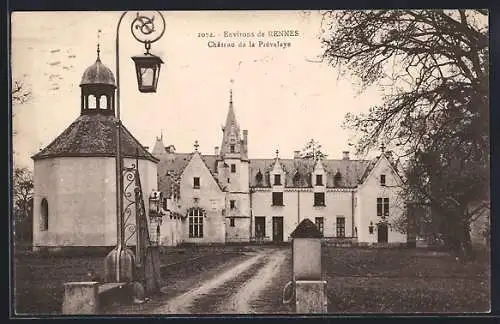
x: 336, y: 179
x: 258, y: 177
x: 382, y: 179
x: 319, y: 180
x: 277, y: 180
x: 296, y: 179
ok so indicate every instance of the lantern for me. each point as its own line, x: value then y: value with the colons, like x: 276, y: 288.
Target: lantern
x: 154, y: 204
x: 147, y: 68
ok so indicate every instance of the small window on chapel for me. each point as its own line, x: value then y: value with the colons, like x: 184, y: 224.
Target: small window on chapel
x: 44, y: 217
x: 277, y: 180
x: 382, y: 179
x: 231, y: 148
x: 231, y: 222
x: 233, y: 168
x: 196, y: 182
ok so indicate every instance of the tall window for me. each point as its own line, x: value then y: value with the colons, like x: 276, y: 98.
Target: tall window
x: 232, y: 204
x: 196, y: 182
x: 44, y: 215
x: 319, y: 180
x: 233, y: 168
x: 277, y: 199
x: 382, y: 179
x: 231, y: 149
x: 319, y: 199
x: 319, y: 223
x: 277, y: 180
x: 195, y: 218
x: 340, y: 227
x: 231, y: 222
x: 383, y: 206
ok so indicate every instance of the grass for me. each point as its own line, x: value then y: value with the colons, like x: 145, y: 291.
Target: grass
x: 405, y: 281
x: 360, y: 280
x: 39, y: 278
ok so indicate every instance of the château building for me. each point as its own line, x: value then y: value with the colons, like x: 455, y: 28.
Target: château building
x: 229, y: 197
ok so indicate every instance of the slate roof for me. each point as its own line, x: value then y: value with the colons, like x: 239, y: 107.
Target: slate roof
x: 306, y: 229
x: 94, y: 135
x: 98, y: 73
x: 351, y: 172
x: 172, y: 165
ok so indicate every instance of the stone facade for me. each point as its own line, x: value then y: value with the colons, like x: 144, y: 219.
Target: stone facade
x: 265, y: 199
x: 79, y: 200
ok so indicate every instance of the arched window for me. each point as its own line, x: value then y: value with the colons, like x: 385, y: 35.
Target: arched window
x: 92, y: 102
x: 103, y: 102
x: 296, y: 179
x: 195, y: 218
x: 44, y: 215
x: 336, y: 179
x: 258, y: 177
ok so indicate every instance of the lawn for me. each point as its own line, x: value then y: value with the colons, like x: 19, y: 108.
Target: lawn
x: 404, y: 281
x: 38, y: 279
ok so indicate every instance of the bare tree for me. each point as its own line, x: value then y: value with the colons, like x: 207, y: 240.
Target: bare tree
x: 22, y: 184
x: 312, y: 150
x: 20, y: 93
x: 434, y: 65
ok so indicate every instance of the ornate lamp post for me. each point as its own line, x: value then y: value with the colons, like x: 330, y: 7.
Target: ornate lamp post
x: 119, y: 263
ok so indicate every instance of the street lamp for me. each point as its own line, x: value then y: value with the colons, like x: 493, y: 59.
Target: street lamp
x: 147, y: 69
x: 119, y: 263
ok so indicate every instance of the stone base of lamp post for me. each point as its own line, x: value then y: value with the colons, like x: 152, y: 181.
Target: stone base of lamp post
x: 122, y: 259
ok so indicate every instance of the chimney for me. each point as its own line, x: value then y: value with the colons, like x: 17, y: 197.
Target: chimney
x: 296, y: 154
x: 216, y: 150
x: 146, y: 148
x: 345, y: 155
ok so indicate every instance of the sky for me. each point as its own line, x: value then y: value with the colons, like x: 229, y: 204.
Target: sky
x: 282, y: 96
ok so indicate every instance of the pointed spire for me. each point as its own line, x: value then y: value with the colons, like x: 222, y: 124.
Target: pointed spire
x: 231, y: 130
x: 159, y: 147
x: 98, y: 44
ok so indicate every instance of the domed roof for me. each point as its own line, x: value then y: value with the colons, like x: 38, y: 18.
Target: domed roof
x: 98, y: 73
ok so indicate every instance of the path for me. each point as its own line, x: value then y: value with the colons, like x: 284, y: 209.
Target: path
x: 231, y: 291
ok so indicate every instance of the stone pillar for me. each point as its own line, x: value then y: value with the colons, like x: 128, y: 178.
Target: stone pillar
x: 80, y: 298
x: 310, y: 297
x: 307, y: 268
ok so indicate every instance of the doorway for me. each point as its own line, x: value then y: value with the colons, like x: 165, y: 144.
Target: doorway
x: 277, y: 229
x: 260, y: 227
x: 382, y: 230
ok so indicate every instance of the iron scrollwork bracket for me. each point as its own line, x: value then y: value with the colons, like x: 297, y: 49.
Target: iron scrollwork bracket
x: 130, y: 228
x: 146, y: 30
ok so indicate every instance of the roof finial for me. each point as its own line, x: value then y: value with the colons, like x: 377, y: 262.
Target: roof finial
x: 382, y: 147
x: 231, y: 92
x: 277, y: 153
x: 196, y: 145
x: 98, y: 44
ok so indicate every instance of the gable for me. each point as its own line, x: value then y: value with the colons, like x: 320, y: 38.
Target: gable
x: 197, y: 167
x: 381, y: 165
